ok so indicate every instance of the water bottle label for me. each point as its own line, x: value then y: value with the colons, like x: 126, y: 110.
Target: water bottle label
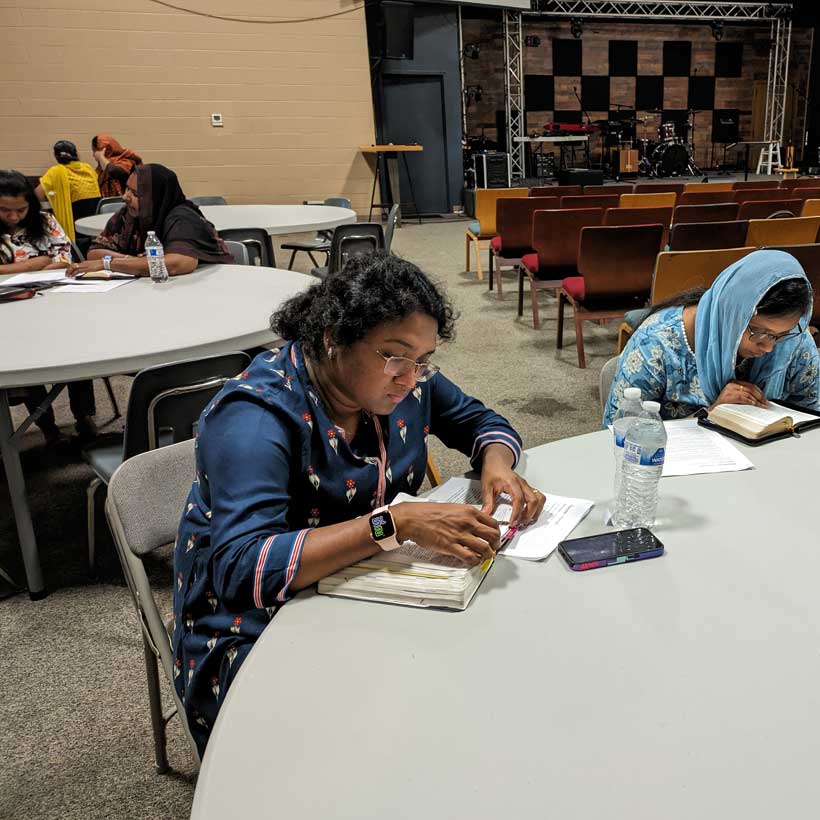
x: 620, y: 438
x: 153, y: 252
x: 634, y: 455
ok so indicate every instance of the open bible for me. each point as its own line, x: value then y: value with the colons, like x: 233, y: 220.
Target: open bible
x: 756, y: 425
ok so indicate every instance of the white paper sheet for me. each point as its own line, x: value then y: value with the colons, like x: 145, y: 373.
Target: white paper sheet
x: 90, y: 287
x: 558, y: 519
x: 39, y: 276
x: 691, y: 450
x: 70, y: 285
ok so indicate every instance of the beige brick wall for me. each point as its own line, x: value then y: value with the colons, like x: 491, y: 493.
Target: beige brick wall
x: 295, y: 98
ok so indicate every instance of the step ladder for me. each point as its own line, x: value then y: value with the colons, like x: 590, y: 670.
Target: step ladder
x: 769, y: 158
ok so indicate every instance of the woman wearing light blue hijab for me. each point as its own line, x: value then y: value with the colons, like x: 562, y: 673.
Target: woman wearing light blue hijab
x: 742, y: 341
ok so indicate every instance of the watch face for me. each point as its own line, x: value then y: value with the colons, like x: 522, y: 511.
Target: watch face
x: 381, y: 525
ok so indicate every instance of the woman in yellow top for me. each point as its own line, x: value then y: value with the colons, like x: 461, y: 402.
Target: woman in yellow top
x: 70, y: 186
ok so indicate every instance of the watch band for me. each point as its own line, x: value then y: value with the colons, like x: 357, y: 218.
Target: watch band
x: 383, y: 529
x: 107, y: 263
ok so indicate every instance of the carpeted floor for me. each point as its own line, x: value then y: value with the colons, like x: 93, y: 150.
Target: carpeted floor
x: 75, y: 728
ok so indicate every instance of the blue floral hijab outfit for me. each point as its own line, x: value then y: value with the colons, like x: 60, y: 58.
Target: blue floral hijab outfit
x: 270, y: 466
x: 659, y: 360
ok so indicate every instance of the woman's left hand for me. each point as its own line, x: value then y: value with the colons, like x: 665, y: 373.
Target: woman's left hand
x: 497, y: 476
x: 84, y: 267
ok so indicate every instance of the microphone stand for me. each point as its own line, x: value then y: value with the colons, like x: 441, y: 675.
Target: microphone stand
x: 589, y: 121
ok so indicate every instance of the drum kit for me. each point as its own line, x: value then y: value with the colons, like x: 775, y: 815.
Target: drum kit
x: 671, y: 155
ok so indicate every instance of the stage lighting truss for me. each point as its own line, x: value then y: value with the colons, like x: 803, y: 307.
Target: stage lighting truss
x: 514, y: 91
x: 778, y: 13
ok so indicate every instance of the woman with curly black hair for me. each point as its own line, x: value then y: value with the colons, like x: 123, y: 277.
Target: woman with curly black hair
x: 295, y: 455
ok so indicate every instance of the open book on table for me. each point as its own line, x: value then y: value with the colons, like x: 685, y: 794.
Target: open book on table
x: 417, y: 576
x: 757, y: 425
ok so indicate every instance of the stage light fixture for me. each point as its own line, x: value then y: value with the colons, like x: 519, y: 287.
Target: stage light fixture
x: 576, y: 26
x: 717, y: 29
x: 472, y: 50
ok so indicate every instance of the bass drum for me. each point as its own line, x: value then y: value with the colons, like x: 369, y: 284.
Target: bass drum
x: 670, y: 159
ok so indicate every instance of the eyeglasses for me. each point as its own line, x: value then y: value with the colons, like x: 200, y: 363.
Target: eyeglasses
x: 398, y: 366
x: 763, y: 336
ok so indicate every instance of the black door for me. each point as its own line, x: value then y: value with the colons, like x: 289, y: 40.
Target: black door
x: 414, y: 113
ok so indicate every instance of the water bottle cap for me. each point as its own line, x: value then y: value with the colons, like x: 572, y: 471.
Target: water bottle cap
x: 652, y: 406
x: 151, y: 233
x: 632, y: 393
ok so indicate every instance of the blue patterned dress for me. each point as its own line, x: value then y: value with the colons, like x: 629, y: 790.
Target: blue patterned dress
x: 271, y: 466
x: 659, y: 360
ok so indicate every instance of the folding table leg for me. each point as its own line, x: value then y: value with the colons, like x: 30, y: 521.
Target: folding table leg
x: 579, y: 339
x: 19, y: 503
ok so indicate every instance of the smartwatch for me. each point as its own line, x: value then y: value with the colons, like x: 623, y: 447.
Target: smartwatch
x: 383, y: 529
x: 107, y: 263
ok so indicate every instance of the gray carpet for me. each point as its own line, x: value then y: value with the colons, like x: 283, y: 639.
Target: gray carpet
x: 75, y: 729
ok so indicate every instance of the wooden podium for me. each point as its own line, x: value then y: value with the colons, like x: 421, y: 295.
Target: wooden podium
x: 387, y: 158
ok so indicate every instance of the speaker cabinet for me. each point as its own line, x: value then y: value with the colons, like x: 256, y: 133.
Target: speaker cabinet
x: 492, y: 170
x: 391, y: 30
x: 580, y: 176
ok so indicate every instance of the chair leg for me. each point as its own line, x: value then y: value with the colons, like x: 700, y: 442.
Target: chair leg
x: 536, y: 319
x: 91, y: 520
x: 111, y: 397
x: 292, y: 257
x: 579, y: 340
x: 313, y: 259
x: 521, y: 290
x: 468, y: 243
x: 479, y: 270
x: 498, y: 284
x: 559, y: 338
x: 491, y: 268
x: 155, y: 706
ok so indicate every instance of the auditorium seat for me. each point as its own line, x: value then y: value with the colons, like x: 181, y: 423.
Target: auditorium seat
x: 514, y: 238
x: 592, y: 201
x: 482, y: 230
x: 706, y: 236
x: 801, y: 230
x: 555, y: 239
x: 615, y: 266
x: 725, y: 212
x: 770, y: 207
x: 557, y: 190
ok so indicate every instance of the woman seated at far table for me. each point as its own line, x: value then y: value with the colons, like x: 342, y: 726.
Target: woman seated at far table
x: 32, y: 240
x: 744, y: 340
x: 296, y: 454
x: 154, y: 201
x: 114, y: 164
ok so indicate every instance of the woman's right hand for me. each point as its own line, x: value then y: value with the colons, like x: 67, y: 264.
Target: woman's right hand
x: 737, y: 392
x: 453, y: 529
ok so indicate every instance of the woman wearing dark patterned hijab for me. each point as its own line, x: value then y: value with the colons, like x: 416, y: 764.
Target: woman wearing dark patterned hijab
x: 154, y: 201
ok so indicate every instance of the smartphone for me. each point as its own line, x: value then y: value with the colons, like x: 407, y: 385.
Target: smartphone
x: 610, y: 548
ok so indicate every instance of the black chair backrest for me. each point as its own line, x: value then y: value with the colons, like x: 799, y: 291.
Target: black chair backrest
x: 256, y: 240
x: 172, y: 396
x: 110, y: 204
x: 354, y: 240
x: 81, y: 208
x: 209, y: 200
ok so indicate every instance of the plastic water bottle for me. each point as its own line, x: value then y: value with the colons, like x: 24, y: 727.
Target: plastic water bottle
x: 628, y: 410
x: 644, y: 453
x: 156, y: 258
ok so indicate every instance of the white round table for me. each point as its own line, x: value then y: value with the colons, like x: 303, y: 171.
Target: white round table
x: 675, y: 688
x: 275, y: 219
x: 62, y: 337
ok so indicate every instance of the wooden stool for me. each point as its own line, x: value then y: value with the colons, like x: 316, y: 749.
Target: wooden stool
x: 788, y: 173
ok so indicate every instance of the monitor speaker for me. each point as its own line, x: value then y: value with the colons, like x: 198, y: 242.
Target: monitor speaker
x: 392, y: 30
x: 580, y: 176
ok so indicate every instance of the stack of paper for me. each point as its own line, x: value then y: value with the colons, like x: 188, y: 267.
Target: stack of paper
x: 98, y: 282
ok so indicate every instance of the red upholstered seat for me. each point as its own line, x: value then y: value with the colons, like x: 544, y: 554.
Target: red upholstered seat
x: 530, y: 262
x: 495, y: 244
x: 574, y: 286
